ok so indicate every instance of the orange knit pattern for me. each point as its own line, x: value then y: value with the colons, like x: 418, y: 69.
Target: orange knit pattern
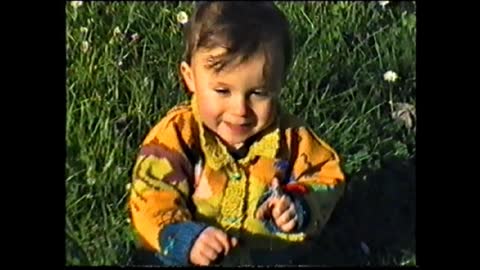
x: 180, y: 163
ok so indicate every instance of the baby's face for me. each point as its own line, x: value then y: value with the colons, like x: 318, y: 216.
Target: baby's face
x: 235, y: 103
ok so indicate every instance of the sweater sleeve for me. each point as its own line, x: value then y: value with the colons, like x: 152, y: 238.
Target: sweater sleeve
x: 316, y: 168
x: 160, y: 191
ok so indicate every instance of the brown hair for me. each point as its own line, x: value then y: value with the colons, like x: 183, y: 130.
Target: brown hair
x: 242, y: 28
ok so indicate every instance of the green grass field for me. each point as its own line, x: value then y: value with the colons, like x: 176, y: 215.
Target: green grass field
x: 120, y: 81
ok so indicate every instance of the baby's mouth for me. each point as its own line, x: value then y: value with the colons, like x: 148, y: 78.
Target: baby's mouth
x: 239, y: 128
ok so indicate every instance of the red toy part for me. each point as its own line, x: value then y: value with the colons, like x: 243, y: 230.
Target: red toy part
x: 297, y: 189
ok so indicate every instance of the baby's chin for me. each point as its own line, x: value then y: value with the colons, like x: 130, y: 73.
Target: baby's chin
x: 234, y: 142
x: 238, y: 145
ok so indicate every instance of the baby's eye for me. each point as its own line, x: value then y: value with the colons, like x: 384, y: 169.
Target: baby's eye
x: 222, y: 91
x: 260, y: 93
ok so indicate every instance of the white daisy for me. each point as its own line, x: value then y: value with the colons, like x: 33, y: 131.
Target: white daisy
x: 182, y: 17
x: 390, y: 76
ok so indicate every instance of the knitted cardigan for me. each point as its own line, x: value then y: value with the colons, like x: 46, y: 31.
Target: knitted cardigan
x: 185, y: 180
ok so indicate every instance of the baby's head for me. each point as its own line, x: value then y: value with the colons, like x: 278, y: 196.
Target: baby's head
x: 236, y: 59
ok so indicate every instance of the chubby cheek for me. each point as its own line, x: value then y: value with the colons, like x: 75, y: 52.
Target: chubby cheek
x: 265, y: 114
x: 209, y: 113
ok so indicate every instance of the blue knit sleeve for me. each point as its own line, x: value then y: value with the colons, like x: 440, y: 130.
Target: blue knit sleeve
x: 303, y: 213
x: 177, y: 240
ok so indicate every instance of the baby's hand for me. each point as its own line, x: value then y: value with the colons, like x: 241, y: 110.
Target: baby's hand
x: 210, y: 245
x: 282, y: 209
x: 283, y: 213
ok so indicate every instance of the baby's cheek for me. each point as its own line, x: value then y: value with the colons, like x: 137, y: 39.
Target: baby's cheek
x: 209, y: 113
x: 266, y: 114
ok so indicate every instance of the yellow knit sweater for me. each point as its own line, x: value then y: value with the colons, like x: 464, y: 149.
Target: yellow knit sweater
x: 184, y: 173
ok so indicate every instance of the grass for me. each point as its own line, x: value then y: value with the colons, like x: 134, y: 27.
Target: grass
x: 119, y: 87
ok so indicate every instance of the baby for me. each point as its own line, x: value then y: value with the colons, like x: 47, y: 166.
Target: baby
x: 230, y: 177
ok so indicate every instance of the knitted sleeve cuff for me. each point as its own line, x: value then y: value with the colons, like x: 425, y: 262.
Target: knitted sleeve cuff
x: 303, y: 213
x: 177, y: 240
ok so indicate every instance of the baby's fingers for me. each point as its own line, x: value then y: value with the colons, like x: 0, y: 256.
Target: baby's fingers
x: 208, y: 252
x: 234, y: 241
x: 286, y: 216
x: 264, y: 211
x: 280, y: 206
x: 290, y: 225
x: 222, y: 239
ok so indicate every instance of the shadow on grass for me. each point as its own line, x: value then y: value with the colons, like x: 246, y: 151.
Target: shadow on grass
x: 378, y: 209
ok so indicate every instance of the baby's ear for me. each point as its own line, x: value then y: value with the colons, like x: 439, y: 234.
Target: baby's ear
x: 187, y: 76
